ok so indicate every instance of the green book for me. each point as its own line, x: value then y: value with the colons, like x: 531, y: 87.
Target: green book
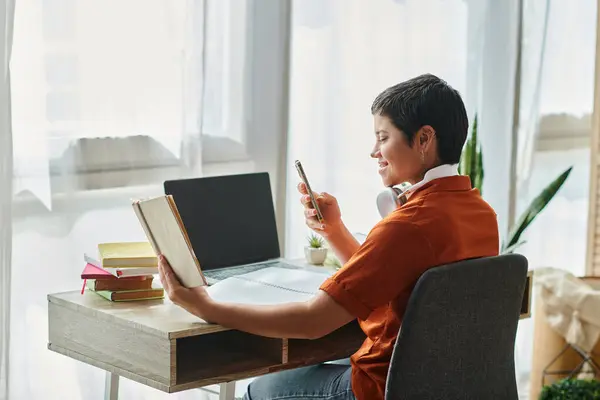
x: 132, y: 295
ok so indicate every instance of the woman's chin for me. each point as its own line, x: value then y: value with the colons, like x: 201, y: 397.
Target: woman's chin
x: 390, y: 181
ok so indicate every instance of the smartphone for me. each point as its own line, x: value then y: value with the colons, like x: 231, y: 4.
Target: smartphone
x: 310, y: 192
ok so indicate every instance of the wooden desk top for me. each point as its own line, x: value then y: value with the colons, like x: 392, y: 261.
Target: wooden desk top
x: 156, y: 317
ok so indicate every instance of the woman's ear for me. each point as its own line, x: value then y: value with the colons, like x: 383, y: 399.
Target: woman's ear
x: 424, y: 137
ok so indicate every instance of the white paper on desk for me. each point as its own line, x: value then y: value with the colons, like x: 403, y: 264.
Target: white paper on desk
x: 268, y: 286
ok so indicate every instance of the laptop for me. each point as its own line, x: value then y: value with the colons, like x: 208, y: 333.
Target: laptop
x: 230, y: 221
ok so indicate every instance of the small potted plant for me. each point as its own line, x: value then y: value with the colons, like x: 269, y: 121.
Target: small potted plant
x: 315, y: 252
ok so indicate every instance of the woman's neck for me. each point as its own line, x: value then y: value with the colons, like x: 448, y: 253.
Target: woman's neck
x: 421, y: 175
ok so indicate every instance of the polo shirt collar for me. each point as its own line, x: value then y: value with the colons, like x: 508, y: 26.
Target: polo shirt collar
x: 441, y: 171
x: 441, y: 178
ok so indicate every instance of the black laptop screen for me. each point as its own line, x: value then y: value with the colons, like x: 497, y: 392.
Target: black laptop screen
x: 230, y: 219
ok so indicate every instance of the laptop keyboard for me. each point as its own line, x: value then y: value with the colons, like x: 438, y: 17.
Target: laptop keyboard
x: 220, y: 274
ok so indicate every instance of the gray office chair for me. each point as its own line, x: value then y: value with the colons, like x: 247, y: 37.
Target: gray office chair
x: 458, y: 333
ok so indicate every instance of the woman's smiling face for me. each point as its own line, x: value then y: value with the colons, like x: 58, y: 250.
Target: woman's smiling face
x: 399, y: 161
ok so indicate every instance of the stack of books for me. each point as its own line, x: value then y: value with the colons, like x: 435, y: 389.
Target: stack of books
x: 122, y: 271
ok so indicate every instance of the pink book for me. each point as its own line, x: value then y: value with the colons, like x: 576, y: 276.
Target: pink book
x: 93, y: 272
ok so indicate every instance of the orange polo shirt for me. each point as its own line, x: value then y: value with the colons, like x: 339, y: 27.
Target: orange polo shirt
x: 442, y: 222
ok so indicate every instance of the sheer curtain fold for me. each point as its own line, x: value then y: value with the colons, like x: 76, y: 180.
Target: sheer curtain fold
x: 107, y: 104
x: 6, y: 173
x: 194, y: 77
x: 536, y: 15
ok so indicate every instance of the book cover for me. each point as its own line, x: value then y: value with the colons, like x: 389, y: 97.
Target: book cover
x: 131, y: 271
x: 92, y: 271
x: 127, y: 254
x: 166, y: 233
x: 131, y: 295
x: 133, y: 283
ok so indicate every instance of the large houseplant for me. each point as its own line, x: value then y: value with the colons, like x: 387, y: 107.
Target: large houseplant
x: 471, y: 164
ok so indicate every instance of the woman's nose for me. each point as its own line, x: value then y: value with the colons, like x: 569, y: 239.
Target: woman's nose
x: 375, y: 153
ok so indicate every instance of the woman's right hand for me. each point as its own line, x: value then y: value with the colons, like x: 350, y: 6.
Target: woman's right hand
x: 332, y: 218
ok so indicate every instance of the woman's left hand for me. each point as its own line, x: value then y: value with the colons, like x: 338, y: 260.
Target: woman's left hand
x: 195, y: 300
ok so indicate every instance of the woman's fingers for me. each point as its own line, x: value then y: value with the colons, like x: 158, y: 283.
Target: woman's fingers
x: 302, y: 188
x: 310, y: 212
x: 314, y: 224
x: 305, y: 200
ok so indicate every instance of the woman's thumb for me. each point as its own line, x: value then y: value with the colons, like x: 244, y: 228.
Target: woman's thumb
x: 325, y: 198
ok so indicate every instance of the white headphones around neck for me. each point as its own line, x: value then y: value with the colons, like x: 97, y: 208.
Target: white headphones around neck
x: 395, y: 196
x: 391, y: 198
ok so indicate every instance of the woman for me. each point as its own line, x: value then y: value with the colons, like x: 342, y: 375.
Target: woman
x: 420, y: 129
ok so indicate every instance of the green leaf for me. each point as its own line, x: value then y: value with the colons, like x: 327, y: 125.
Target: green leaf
x: 536, y: 206
x: 466, y: 159
x: 471, y: 160
x: 315, y: 241
x: 478, y: 178
x: 512, y: 248
x: 473, y: 171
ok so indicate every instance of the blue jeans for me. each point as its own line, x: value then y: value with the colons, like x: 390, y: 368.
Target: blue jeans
x: 325, y: 381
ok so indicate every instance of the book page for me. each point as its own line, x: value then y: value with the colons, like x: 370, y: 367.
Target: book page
x: 166, y: 235
x: 298, y: 280
x: 268, y: 286
x: 232, y: 290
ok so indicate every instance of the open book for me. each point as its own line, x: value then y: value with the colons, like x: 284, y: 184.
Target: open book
x: 166, y: 233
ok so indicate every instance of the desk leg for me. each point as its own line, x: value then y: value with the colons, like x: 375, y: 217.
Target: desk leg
x: 111, y: 386
x: 227, y: 391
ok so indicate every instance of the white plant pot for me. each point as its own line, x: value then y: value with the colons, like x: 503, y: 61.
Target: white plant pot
x: 314, y: 255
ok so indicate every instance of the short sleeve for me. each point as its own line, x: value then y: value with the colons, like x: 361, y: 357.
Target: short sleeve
x: 393, y: 256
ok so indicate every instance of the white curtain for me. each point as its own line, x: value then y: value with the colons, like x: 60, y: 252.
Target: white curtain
x: 111, y: 98
x: 6, y: 172
x: 106, y: 104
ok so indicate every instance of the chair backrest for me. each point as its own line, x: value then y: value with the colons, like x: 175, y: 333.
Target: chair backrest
x: 458, y: 332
